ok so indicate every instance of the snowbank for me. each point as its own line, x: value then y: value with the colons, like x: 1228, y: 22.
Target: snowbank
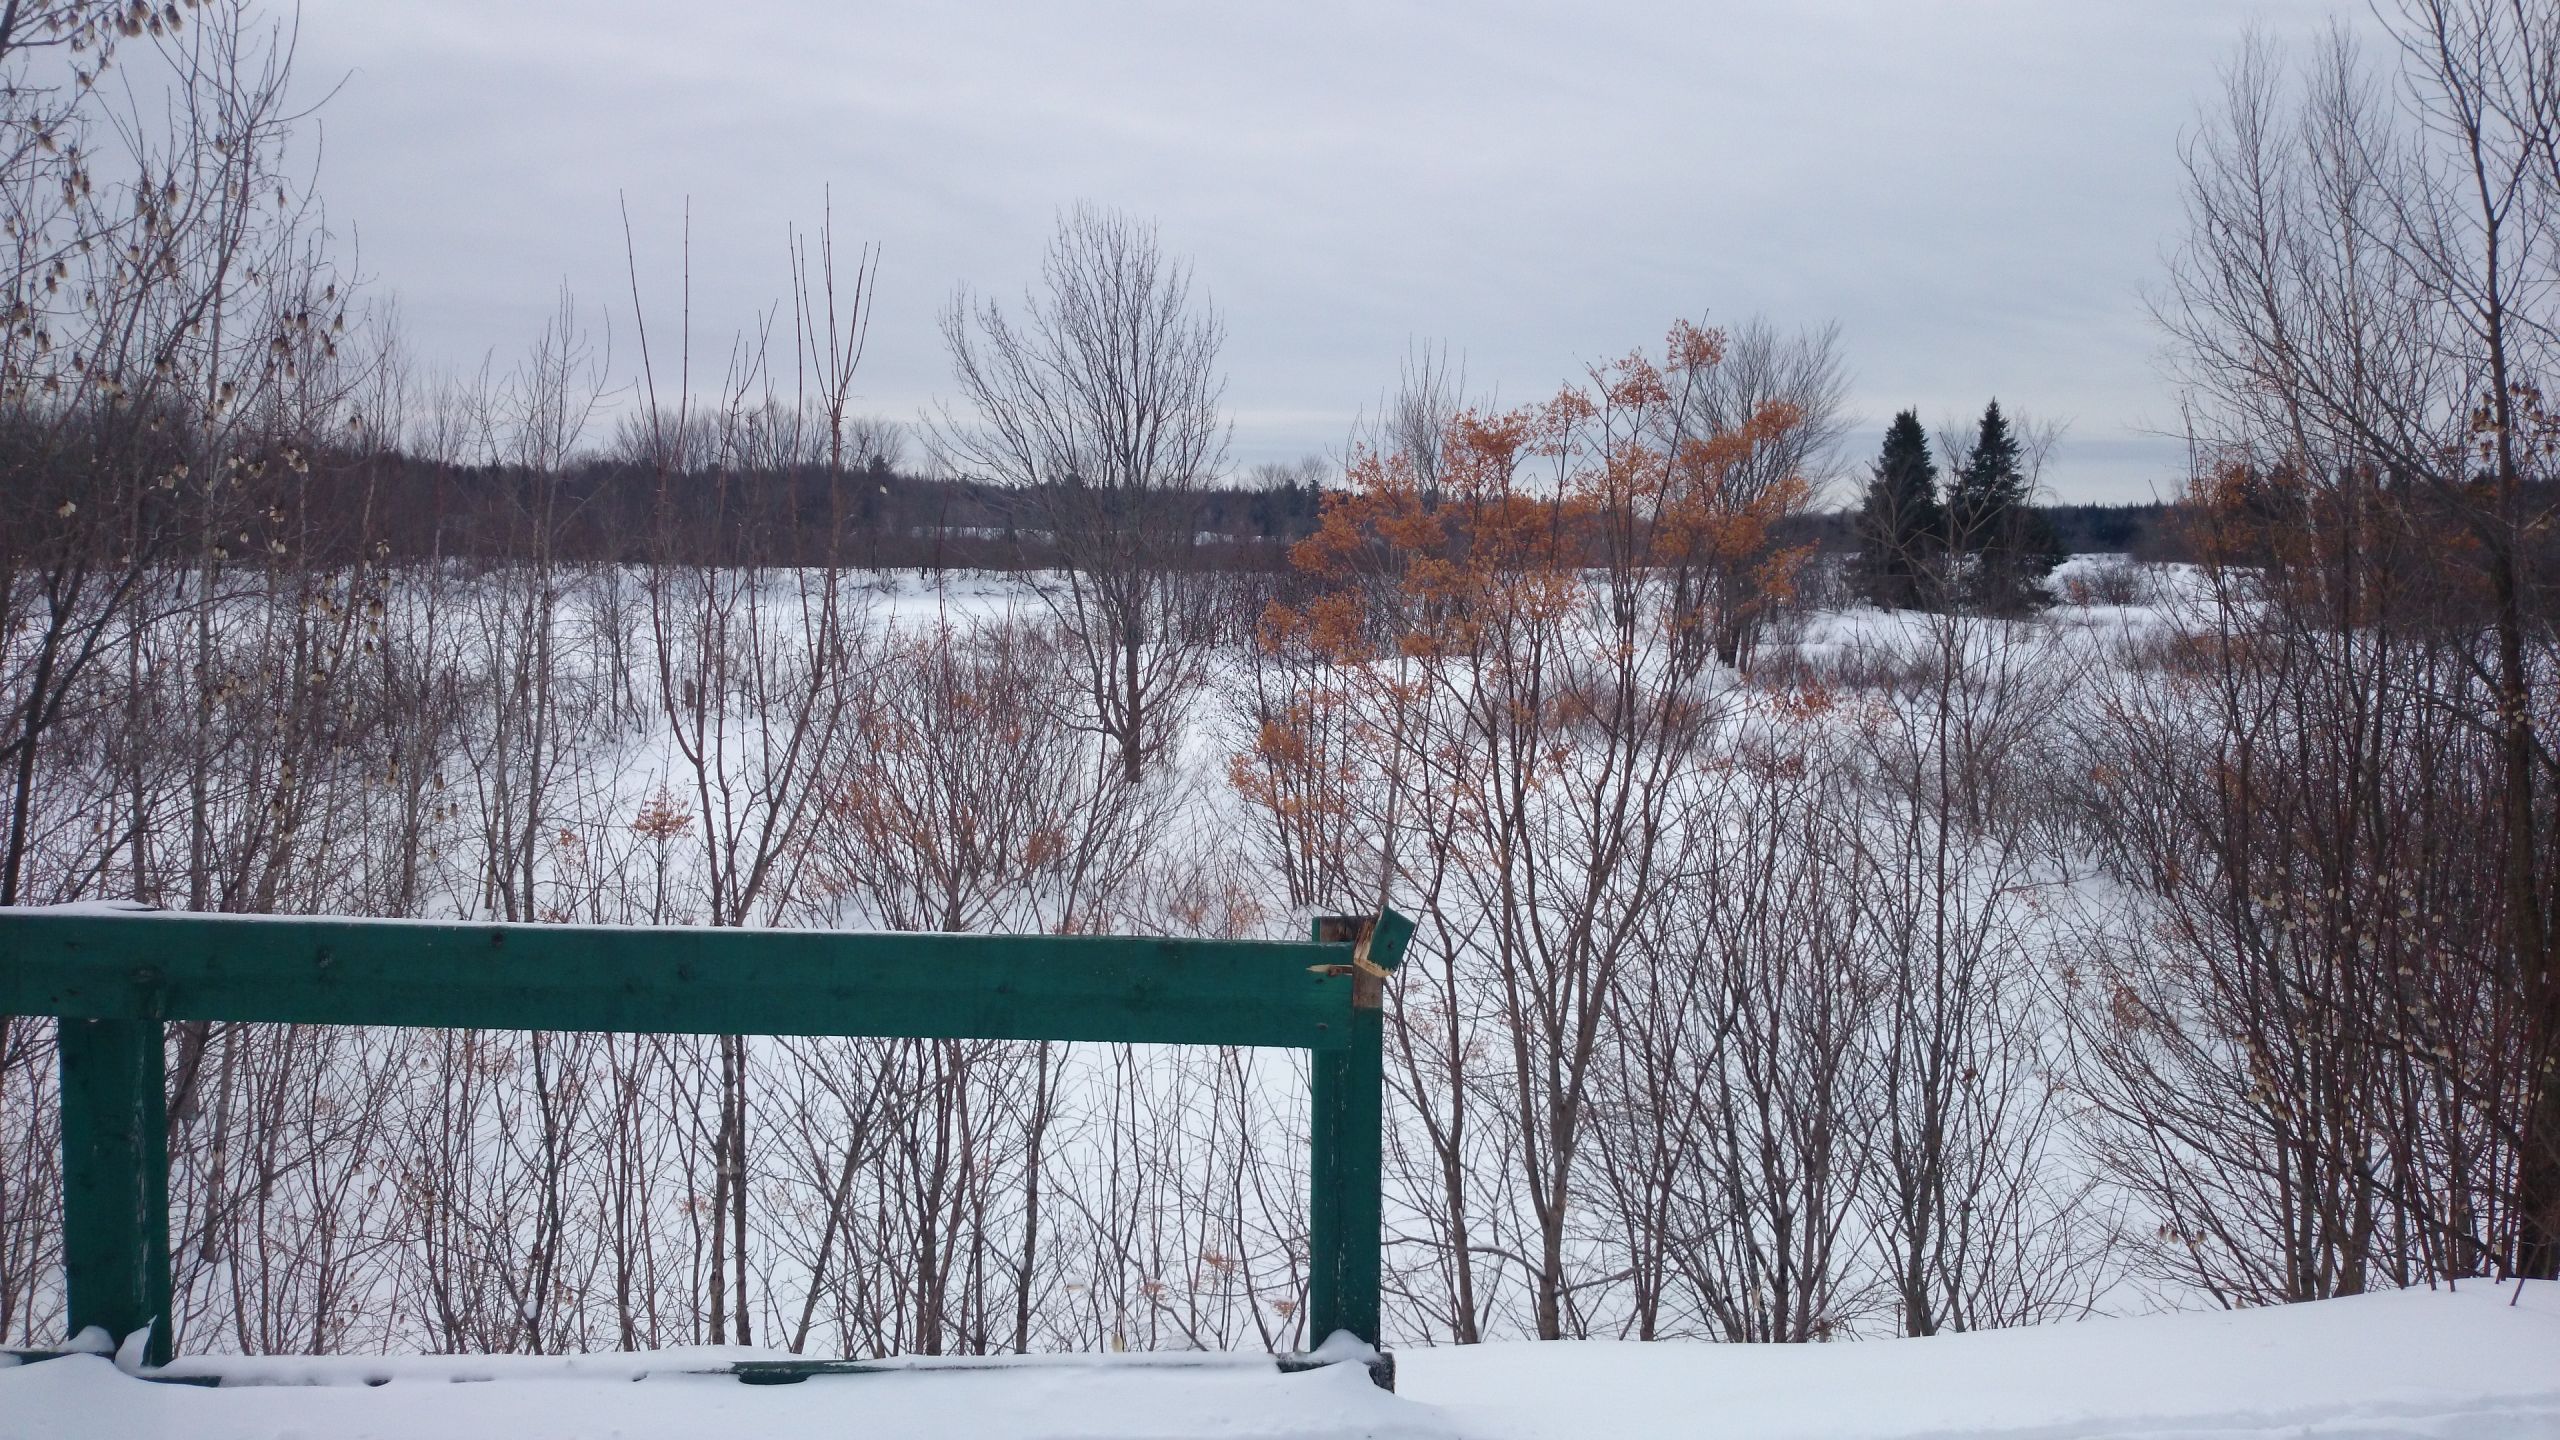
x: 2412, y: 1363
x: 2441, y: 1365
x: 593, y: 1397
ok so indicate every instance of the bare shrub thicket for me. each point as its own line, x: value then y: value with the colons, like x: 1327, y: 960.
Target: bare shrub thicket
x: 1727, y: 1014
x: 2337, y: 1064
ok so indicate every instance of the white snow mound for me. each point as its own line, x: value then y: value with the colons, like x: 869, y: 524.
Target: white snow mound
x: 2411, y: 1363
x: 2434, y: 1364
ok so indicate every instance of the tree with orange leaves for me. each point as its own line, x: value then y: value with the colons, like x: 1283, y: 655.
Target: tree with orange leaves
x: 1505, y: 685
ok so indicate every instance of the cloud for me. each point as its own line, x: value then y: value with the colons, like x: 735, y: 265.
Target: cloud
x: 1978, y: 192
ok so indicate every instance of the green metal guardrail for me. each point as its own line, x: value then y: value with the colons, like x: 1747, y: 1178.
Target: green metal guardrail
x: 114, y: 977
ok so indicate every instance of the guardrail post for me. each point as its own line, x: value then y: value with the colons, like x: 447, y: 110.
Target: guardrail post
x: 115, y: 1179
x: 1346, y: 1160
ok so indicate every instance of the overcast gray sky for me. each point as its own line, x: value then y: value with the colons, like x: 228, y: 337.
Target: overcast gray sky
x: 1980, y: 193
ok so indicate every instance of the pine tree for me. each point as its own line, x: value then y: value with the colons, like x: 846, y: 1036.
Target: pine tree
x: 2009, y: 544
x: 1901, y: 528
x: 1989, y: 485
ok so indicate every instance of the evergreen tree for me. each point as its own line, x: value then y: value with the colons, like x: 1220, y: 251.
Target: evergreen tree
x: 1989, y: 486
x: 2009, y: 545
x: 1901, y: 528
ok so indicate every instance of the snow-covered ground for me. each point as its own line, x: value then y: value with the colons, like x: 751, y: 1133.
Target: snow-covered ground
x: 2481, y: 1364
x: 2413, y: 1363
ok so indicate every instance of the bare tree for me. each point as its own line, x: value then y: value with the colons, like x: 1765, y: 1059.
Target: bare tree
x: 1736, y: 582
x: 1739, y: 1141
x: 1947, y: 857
x: 527, y: 749
x: 755, y: 666
x: 2363, y: 312
x: 1100, y: 406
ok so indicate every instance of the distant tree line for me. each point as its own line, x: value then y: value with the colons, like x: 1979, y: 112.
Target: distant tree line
x: 610, y: 508
x: 2147, y: 530
x: 882, y: 513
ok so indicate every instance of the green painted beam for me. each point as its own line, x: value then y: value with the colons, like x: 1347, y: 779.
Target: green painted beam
x: 84, y: 964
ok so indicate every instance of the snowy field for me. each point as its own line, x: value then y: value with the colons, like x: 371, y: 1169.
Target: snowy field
x: 2481, y: 1364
